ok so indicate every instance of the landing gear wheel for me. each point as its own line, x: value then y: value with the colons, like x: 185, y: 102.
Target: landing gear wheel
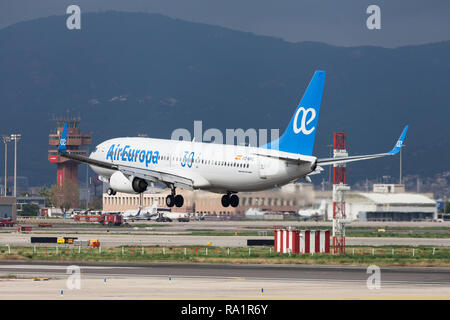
x: 170, y: 200
x: 234, y: 201
x: 225, y: 200
x: 179, y: 200
x: 110, y: 192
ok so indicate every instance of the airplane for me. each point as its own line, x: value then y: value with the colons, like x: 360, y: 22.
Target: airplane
x: 141, y: 213
x: 314, y: 212
x: 130, y: 164
x: 154, y: 213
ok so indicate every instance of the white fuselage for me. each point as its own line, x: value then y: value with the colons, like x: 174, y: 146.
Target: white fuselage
x: 213, y: 167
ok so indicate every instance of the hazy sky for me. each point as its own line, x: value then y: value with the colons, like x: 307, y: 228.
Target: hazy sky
x: 338, y: 22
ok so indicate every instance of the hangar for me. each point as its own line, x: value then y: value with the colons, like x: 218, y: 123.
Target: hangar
x: 389, y: 206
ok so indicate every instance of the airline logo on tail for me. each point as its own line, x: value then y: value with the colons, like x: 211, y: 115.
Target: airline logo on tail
x: 305, y: 121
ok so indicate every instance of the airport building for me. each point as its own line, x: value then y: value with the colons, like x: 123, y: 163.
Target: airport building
x: 8, y: 208
x: 288, y: 199
x: 37, y: 200
x: 388, y: 202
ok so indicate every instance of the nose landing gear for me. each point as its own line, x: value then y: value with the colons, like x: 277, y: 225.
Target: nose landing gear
x: 111, y: 192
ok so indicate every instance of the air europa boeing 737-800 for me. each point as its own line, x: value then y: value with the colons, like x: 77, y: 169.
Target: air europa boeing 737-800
x: 130, y: 164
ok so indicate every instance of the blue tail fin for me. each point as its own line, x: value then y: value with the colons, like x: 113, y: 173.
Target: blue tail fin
x: 301, y: 131
x: 63, y: 140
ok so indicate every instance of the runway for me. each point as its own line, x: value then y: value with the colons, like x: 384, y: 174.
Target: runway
x: 221, y: 281
x: 435, y: 276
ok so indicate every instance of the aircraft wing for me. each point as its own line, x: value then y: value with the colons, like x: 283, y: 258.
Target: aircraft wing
x: 158, y: 176
x: 146, y: 174
x: 395, y: 150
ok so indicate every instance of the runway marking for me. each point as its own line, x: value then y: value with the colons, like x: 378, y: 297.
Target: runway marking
x: 56, y: 267
x: 393, y: 283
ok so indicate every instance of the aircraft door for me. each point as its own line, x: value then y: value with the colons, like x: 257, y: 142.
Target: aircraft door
x: 268, y: 167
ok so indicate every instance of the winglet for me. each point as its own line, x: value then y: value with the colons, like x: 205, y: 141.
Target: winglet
x: 63, y: 140
x: 399, y: 143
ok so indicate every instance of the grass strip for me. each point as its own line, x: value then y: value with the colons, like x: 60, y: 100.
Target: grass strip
x: 356, y: 255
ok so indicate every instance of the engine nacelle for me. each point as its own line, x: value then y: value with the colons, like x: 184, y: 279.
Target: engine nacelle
x: 118, y: 182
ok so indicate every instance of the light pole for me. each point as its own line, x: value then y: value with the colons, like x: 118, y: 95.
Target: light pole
x: 401, y: 162
x: 15, y: 137
x: 6, y: 139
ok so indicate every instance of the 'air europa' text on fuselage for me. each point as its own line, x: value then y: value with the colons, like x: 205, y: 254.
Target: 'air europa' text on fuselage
x: 132, y: 155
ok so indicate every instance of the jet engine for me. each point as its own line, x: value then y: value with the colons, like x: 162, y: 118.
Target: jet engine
x: 139, y: 185
x: 119, y: 182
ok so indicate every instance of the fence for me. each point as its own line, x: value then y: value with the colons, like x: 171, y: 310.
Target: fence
x: 76, y: 252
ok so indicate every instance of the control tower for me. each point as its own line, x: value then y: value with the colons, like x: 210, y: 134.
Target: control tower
x: 67, y: 169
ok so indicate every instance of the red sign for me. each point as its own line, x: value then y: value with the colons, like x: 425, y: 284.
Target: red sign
x: 53, y: 159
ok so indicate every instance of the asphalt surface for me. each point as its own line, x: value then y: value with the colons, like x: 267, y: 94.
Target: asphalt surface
x: 416, y: 276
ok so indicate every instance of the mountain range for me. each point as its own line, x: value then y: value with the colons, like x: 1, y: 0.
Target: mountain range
x: 131, y: 73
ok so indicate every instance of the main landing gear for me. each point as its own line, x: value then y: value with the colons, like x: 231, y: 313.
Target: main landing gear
x: 174, y: 199
x: 111, y: 192
x: 230, y: 200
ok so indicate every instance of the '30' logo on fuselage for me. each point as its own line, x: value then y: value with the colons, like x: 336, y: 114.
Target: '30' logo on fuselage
x: 305, y: 120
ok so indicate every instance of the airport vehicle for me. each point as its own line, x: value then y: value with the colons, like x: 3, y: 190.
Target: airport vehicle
x: 111, y: 219
x: 161, y: 218
x: 87, y: 217
x: 6, y: 222
x: 169, y: 216
x: 94, y: 243
x: 130, y: 164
